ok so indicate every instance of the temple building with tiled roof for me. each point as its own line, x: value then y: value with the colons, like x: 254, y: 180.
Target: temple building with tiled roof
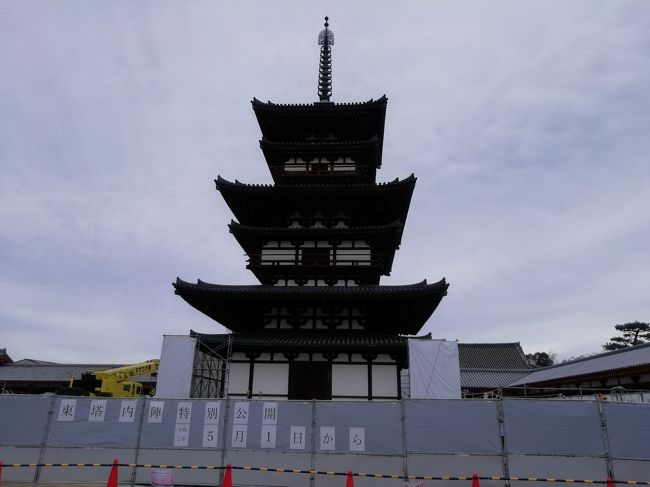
x: 319, y: 325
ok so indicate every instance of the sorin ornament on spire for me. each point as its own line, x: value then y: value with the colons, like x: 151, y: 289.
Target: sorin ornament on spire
x: 325, y: 40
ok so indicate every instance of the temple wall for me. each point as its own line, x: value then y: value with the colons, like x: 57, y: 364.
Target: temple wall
x: 349, y: 380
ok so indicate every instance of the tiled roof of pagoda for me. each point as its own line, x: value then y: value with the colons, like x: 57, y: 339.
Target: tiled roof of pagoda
x: 347, y: 189
x: 292, y: 108
x: 369, y: 204
x: 389, y: 309
x: 324, y: 121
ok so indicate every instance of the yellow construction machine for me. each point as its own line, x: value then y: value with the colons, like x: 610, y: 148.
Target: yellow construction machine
x: 111, y: 382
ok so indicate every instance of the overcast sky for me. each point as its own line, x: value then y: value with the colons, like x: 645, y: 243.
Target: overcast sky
x: 526, y: 123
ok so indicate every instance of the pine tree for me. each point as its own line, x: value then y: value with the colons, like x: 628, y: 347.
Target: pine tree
x: 634, y: 333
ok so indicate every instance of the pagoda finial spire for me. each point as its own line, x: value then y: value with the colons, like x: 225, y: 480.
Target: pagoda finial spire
x: 325, y: 40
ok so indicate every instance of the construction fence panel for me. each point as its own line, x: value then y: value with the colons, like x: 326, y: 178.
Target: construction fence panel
x: 95, y: 422
x: 552, y: 427
x: 269, y: 425
x: 519, y: 438
x: 359, y: 427
x: 452, y: 426
x: 628, y: 429
x: 560, y: 439
x: 23, y: 419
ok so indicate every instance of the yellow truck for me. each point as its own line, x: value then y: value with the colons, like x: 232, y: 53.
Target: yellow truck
x: 111, y: 382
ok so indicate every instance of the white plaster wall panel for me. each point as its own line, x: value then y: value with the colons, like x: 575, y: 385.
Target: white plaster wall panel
x: 349, y: 380
x: 272, y: 254
x: 352, y: 255
x: 238, y: 378
x: 384, y: 380
x: 270, y: 379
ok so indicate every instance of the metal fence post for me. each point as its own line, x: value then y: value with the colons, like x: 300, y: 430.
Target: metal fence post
x: 405, y: 466
x: 46, y: 434
x: 226, y: 413
x: 603, y: 429
x: 504, y: 445
x: 134, y: 471
x: 312, y: 460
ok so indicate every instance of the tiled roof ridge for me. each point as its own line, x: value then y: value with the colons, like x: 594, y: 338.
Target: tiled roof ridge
x: 271, y: 186
x: 256, y: 102
x: 608, y: 353
x: 422, y: 285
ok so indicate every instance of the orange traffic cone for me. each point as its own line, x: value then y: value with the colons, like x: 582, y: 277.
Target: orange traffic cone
x: 112, y: 478
x: 227, y: 479
x: 349, y: 481
x: 475, y: 482
x: 610, y: 482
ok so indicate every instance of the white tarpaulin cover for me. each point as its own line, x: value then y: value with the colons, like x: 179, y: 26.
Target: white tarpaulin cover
x: 434, y: 370
x: 176, y: 363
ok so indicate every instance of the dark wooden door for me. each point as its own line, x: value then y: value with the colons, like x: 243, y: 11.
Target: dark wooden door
x: 310, y: 380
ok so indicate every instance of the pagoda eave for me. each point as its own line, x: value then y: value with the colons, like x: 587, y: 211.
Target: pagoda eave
x: 324, y: 121
x: 390, y: 309
x: 289, y: 342
x: 264, y: 205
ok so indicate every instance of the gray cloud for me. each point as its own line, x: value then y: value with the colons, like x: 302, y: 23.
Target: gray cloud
x: 526, y: 125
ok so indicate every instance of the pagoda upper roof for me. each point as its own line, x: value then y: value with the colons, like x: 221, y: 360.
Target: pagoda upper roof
x: 389, y: 309
x: 374, y: 204
x: 322, y: 121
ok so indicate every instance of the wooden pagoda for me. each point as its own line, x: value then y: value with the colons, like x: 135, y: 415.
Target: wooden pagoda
x: 319, y: 239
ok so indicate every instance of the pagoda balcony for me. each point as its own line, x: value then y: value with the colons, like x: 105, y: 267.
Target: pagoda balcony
x: 363, y: 152
x: 352, y: 264
x: 321, y: 173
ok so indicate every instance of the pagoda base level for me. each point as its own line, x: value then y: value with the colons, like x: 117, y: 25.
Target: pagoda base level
x: 301, y: 366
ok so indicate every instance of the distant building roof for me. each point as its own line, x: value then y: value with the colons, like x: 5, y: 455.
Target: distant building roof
x: 51, y: 372
x: 625, y: 359
x: 493, y: 356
